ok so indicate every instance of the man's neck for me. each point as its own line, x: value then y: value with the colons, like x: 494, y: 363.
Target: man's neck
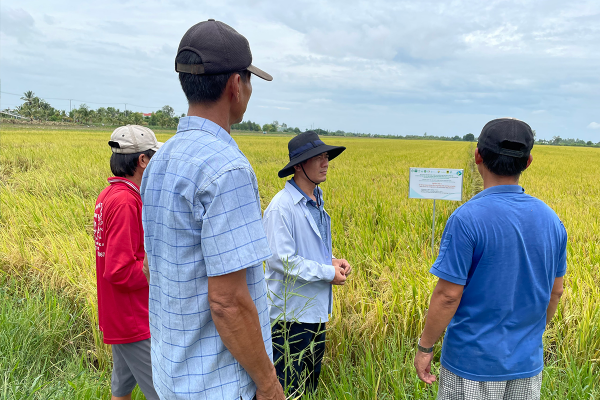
x: 491, y: 180
x: 306, y: 186
x: 136, y: 178
x: 215, y: 112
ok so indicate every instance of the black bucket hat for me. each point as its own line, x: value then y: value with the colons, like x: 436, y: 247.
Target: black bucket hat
x: 305, y: 146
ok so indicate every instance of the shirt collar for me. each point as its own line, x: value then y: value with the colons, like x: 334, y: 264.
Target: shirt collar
x: 117, y: 179
x: 205, y: 125
x: 500, y: 189
x: 297, y: 193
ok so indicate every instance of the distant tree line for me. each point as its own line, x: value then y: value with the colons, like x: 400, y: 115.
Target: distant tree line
x: 275, y: 127
x: 35, y: 108
x: 558, y: 141
x: 266, y: 128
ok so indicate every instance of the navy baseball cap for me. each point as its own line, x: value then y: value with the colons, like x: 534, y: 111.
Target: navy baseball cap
x: 221, y: 48
x: 507, y: 136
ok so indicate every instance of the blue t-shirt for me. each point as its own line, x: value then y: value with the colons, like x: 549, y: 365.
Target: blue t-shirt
x: 506, y: 248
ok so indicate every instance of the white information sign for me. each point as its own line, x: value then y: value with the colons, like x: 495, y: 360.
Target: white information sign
x: 435, y: 183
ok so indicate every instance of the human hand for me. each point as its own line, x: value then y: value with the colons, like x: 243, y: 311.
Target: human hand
x: 340, y: 262
x: 272, y: 391
x: 146, y: 268
x: 340, y: 275
x: 423, y: 367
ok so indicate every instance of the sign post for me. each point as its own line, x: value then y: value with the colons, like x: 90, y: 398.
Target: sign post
x: 433, y: 229
x: 435, y: 184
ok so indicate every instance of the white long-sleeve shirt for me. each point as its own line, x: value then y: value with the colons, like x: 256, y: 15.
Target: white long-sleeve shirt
x: 299, y: 258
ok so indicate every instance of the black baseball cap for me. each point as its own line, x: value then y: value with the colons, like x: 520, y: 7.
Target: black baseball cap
x: 507, y: 136
x: 221, y: 48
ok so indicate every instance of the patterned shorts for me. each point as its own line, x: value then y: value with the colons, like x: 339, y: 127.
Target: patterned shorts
x: 453, y: 387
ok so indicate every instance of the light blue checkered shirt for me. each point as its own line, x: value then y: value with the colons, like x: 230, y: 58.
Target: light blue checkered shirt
x: 202, y: 218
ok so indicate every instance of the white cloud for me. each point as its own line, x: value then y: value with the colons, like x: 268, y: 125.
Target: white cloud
x: 440, y: 67
x: 594, y: 125
x: 17, y: 22
x: 275, y: 107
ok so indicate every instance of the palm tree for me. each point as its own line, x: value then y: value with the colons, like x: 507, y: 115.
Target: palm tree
x: 28, y: 97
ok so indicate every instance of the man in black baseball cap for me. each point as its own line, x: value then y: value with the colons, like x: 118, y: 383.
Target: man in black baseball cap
x: 508, y: 137
x: 220, y: 50
x: 211, y: 336
x: 501, y: 265
x: 302, y: 270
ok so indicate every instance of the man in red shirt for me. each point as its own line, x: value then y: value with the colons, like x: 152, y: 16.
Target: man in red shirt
x: 120, y: 260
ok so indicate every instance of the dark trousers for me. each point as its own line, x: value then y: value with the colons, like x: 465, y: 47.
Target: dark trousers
x: 293, y: 371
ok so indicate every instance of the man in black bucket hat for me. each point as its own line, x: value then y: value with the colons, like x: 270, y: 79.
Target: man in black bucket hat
x: 302, y: 270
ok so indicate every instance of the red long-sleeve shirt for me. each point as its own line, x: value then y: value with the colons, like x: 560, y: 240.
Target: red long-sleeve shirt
x: 121, y: 284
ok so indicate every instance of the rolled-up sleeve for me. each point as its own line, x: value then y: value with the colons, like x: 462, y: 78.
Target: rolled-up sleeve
x: 232, y: 235
x: 456, y: 253
x: 285, y: 259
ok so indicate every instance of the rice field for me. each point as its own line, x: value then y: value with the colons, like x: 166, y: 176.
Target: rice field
x: 50, y: 179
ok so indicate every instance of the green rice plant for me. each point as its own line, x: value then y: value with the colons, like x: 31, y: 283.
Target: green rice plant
x: 290, y: 287
x: 48, y: 188
x: 45, y: 348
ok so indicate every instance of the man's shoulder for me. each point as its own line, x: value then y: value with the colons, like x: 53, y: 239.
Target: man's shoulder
x: 283, y: 200
x: 541, y: 210
x: 199, y: 153
x: 488, y: 209
x: 186, y: 145
x: 117, y: 195
x: 119, y: 203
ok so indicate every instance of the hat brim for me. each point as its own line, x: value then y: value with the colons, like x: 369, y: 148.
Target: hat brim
x: 260, y: 73
x: 158, y: 145
x: 333, y: 151
x: 131, y: 151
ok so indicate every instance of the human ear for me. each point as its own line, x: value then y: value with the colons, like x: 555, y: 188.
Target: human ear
x: 478, y: 158
x: 529, y: 160
x: 234, y: 80
x: 143, y: 161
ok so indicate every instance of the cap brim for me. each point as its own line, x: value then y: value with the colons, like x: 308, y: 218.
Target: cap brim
x: 158, y: 144
x: 260, y: 73
x: 333, y: 151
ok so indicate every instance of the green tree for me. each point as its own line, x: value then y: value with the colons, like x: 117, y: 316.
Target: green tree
x: 168, y: 110
x: 83, y: 113
x: 137, y: 118
x: 469, y: 137
x: 269, y: 128
x: 28, y: 97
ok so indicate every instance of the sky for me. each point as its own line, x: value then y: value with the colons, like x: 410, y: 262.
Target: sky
x: 381, y: 67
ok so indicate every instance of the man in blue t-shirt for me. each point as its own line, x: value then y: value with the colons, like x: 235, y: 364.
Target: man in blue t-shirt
x: 501, y: 265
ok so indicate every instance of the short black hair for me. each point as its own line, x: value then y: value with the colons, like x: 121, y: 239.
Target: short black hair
x: 204, y: 88
x: 502, y: 165
x: 123, y: 165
